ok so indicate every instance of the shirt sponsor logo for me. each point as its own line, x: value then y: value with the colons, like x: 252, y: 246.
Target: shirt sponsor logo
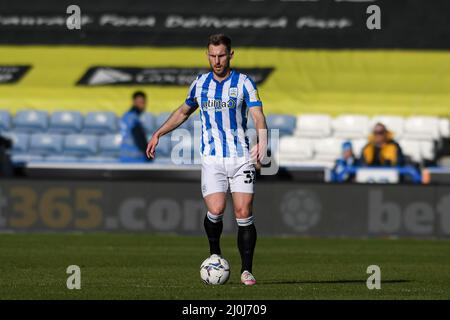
x: 218, y: 105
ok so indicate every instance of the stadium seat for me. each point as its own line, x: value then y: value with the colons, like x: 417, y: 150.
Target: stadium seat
x: 80, y: 145
x: 65, y: 122
x: 328, y: 149
x: 5, y: 121
x: 109, y: 145
x: 285, y: 123
x: 30, y: 121
x: 444, y: 127
x: 427, y: 149
x: 99, y: 159
x: 148, y: 121
x: 164, y: 147
x: 411, y: 148
x: 45, y: 144
x: 293, y: 150
x: 358, y: 145
x: 316, y: 163
x: 394, y: 124
x: 161, y: 118
x: 422, y: 128
x: 61, y: 158
x: 195, y: 120
x: 313, y: 126
x: 20, y: 159
x: 100, y: 123
x: 20, y: 141
x: 351, y: 126
x: 162, y: 161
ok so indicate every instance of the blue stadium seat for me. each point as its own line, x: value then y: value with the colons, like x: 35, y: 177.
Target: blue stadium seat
x: 80, y: 145
x: 65, y: 122
x: 162, y: 161
x: 100, y: 123
x: 45, y: 144
x: 164, y: 147
x: 99, y: 159
x: 61, y: 158
x: 285, y: 123
x: 187, y: 124
x: 20, y: 141
x: 194, y: 118
x: 110, y: 145
x: 21, y: 159
x: 5, y: 121
x: 161, y: 118
x: 31, y: 121
x: 148, y: 121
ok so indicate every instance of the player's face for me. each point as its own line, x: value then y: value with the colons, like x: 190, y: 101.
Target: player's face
x: 219, y: 59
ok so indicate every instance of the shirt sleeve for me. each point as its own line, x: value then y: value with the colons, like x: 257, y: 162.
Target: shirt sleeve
x: 191, y: 100
x: 251, y: 95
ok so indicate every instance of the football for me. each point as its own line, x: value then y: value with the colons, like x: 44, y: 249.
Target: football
x: 215, y: 270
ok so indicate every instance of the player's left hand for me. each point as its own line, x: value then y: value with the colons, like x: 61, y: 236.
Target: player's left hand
x: 258, y: 151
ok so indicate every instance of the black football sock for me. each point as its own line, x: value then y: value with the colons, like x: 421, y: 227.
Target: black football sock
x: 213, y: 226
x: 246, y: 242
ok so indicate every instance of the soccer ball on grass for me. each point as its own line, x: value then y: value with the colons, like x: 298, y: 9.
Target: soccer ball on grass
x: 215, y: 270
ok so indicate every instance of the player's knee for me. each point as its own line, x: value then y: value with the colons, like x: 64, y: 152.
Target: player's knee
x: 216, y: 209
x: 242, y: 212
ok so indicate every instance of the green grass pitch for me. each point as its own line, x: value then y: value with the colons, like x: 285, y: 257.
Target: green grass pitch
x: 137, y: 266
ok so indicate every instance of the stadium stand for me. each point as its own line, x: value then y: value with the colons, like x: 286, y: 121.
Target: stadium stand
x: 65, y: 122
x: 31, y: 121
x: 148, y: 121
x: 5, y: 120
x: 305, y: 140
x: 350, y: 126
x: 313, y: 126
x: 100, y: 123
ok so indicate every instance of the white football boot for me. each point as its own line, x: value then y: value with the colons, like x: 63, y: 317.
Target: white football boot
x: 247, y: 278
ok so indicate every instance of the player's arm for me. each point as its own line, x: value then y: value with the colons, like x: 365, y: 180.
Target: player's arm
x: 177, y: 117
x: 261, y: 130
x: 254, y: 104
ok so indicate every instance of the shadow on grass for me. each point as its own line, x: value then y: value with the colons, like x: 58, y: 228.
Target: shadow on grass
x: 327, y: 281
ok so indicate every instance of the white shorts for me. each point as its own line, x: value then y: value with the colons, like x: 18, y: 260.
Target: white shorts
x: 219, y: 173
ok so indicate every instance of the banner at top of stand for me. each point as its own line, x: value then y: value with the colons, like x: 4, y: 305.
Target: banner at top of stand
x: 331, y: 24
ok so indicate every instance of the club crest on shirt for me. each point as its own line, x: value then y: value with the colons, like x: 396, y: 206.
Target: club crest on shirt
x: 233, y: 92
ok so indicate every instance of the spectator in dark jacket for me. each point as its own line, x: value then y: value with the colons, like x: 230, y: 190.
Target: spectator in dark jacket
x: 134, y: 138
x: 347, y: 160
x: 382, y: 149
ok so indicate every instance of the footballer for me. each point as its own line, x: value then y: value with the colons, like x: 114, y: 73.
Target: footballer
x: 225, y: 97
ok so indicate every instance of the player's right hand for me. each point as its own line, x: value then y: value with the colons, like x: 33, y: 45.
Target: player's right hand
x: 151, y: 146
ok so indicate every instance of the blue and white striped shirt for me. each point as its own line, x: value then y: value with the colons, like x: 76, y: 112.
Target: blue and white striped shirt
x: 223, y: 112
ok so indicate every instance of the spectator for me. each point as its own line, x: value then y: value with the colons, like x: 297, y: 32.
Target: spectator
x: 382, y: 149
x: 347, y: 160
x: 6, y: 167
x: 134, y: 138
